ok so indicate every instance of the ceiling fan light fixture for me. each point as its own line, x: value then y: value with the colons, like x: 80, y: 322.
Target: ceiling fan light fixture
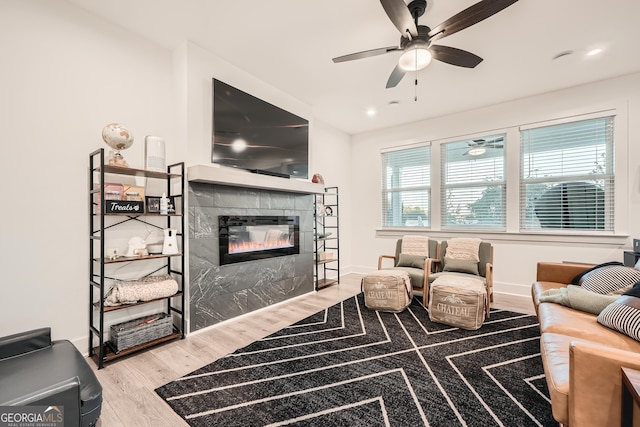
x: 415, y: 40
x: 477, y: 151
x: 415, y: 56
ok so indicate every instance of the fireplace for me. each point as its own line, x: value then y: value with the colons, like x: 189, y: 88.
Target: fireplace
x: 218, y: 291
x: 247, y: 238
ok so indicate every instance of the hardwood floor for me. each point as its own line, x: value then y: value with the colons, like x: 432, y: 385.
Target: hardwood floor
x: 129, y: 383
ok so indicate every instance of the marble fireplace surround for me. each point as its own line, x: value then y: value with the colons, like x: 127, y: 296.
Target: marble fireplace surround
x: 218, y: 293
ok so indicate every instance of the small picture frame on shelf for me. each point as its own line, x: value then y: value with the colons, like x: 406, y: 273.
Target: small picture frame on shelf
x: 153, y: 204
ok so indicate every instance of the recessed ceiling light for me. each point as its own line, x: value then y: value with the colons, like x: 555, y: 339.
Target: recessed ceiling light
x: 594, y: 52
x: 371, y: 112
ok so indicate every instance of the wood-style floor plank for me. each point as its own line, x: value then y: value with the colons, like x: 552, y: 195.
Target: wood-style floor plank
x: 128, y: 384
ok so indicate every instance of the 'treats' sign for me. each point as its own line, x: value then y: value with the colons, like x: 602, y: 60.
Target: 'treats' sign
x: 124, y: 206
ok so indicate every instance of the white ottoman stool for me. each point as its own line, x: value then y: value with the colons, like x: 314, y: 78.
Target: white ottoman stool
x: 387, y: 290
x: 458, y: 301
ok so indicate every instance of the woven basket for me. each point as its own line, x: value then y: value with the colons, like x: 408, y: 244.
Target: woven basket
x: 141, y: 330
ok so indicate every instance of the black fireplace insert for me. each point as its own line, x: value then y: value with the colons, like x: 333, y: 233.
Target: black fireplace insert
x: 247, y: 238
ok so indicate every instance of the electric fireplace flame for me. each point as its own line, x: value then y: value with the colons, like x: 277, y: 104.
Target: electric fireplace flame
x: 247, y: 238
x: 270, y: 242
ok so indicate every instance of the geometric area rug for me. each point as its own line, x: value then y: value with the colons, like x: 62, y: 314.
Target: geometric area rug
x: 351, y: 366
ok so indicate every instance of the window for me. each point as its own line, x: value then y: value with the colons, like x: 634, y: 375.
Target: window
x: 567, y: 176
x: 473, y: 183
x: 406, y: 177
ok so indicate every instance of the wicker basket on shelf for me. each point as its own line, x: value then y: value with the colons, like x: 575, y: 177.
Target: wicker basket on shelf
x: 141, y: 330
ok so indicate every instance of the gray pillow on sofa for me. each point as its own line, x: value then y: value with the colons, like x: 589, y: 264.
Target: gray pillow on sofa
x: 624, y: 314
x: 414, y: 261
x: 469, y: 266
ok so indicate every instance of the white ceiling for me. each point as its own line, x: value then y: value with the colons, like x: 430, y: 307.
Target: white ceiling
x: 289, y: 44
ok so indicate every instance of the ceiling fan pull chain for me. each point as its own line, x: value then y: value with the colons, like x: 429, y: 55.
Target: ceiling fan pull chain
x: 415, y: 85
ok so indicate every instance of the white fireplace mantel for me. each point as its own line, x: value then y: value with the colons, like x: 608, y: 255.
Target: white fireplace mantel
x: 216, y: 174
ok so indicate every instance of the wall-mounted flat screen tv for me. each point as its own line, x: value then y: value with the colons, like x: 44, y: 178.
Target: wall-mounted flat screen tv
x: 252, y: 134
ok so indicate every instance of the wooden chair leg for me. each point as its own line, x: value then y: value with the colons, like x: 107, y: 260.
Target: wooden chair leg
x: 425, y: 294
x: 488, y: 307
x: 488, y: 301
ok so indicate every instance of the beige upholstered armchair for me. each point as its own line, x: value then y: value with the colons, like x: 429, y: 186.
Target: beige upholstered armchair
x: 416, y: 259
x: 482, y: 269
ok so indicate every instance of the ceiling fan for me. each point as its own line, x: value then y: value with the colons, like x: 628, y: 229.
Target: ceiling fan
x: 478, y: 147
x: 416, y: 40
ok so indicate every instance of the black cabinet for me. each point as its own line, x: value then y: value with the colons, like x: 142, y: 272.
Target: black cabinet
x: 631, y: 258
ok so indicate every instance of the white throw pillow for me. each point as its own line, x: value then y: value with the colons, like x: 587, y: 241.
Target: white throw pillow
x: 607, y: 280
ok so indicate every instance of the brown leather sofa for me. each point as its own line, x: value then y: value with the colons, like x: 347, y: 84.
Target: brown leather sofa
x: 581, y: 358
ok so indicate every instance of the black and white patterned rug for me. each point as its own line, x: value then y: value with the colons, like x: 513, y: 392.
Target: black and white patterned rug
x: 351, y: 366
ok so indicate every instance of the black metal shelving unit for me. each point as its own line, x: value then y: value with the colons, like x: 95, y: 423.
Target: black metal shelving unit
x: 326, y: 220
x: 99, y: 224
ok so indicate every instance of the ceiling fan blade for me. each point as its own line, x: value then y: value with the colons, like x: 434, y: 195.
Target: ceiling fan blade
x: 399, y: 14
x: 468, y: 17
x: 396, y: 75
x: 454, y: 56
x: 365, y: 54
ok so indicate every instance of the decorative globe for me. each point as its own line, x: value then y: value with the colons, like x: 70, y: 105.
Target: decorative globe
x: 117, y: 136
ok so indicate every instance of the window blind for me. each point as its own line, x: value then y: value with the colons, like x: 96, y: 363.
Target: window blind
x: 473, y: 183
x: 567, y: 176
x: 406, y: 178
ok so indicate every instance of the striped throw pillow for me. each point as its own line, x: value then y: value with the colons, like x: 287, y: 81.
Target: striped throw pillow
x: 607, y: 280
x: 623, y: 315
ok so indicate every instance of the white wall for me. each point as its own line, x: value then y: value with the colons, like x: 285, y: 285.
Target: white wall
x: 331, y: 157
x: 66, y: 74
x: 515, y: 258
